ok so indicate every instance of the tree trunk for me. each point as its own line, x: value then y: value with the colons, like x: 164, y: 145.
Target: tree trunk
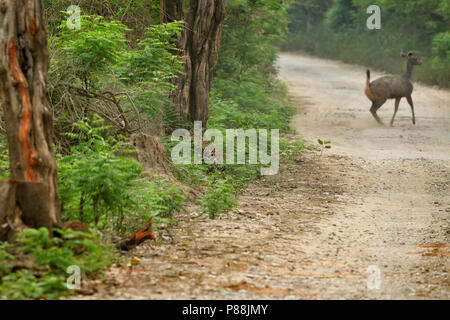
x: 24, y: 60
x: 305, y: 11
x: 200, y: 42
x: 170, y: 10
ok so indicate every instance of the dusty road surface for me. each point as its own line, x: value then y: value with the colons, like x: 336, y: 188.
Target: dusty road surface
x: 367, y: 219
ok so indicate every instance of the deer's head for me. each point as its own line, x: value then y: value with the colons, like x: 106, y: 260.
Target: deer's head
x: 412, y: 59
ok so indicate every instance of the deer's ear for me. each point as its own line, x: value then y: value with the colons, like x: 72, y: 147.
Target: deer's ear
x: 410, y: 54
x: 402, y: 54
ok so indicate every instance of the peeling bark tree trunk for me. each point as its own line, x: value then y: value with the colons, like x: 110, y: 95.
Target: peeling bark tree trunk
x: 24, y: 60
x: 200, y: 42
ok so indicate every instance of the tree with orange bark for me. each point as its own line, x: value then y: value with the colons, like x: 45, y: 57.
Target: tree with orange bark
x: 30, y: 198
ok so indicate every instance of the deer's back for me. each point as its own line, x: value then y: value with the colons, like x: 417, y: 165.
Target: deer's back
x: 389, y: 87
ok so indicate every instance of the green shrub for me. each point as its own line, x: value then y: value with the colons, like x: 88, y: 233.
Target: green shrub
x: 98, y: 58
x: 98, y: 184
x: 90, y: 51
x: 5, y: 257
x: 219, y: 197
x: 340, y: 14
x: 147, y: 72
x: 441, y: 60
x: 94, y: 182
x: 47, y: 260
x: 159, y: 199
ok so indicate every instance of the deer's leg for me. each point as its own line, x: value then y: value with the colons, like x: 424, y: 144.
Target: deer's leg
x: 373, y: 110
x: 397, y: 102
x: 412, y: 109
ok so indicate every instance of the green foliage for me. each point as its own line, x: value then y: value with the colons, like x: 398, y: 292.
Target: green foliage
x: 92, y: 50
x: 250, y: 31
x: 94, y: 181
x: 304, y: 14
x: 98, y: 58
x: 4, y: 158
x: 323, y: 145
x: 135, y: 14
x: 25, y: 285
x: 251, y: 103
x: 220, y: 183
x: 97, y: 185
x: 219, y: 197
x: 340, y: 15
x: 49, y: 258
x: 246, y: 92
x: 5, y: 257
x: 289, y: 150
x: 441, y: 59
x: 148, y: 70
x: 154, y: 58
x: 155, y: 10
x: 159, y: 199
x: 57, y: 254
x: 242, y: 174
x: 253, y: 21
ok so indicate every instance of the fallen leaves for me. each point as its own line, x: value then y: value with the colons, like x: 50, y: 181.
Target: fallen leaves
x: 244, y: 285
x: 135, y: 261
x: 434, y: 245
x: 323, y: 275
x: 184, y: 262
x: 437, y: 249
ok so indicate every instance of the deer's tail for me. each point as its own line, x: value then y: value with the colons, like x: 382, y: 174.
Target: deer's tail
x: 367, y: 90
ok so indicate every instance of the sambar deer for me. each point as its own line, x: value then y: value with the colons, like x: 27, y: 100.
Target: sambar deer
x: 392, y: 87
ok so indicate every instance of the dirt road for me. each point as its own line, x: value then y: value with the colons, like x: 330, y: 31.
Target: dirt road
x: 367, y: 219
x: 401, y: 187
